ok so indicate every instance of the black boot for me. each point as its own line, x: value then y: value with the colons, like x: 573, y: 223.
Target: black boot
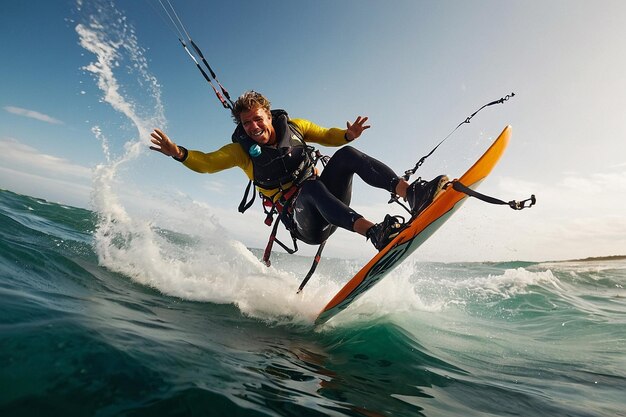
x: 382, y: 233
x: 421, y: 193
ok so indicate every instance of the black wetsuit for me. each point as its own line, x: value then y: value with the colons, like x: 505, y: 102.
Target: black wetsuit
x: 323, y: 203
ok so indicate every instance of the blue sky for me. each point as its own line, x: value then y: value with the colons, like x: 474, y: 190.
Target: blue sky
x: 415, y: 68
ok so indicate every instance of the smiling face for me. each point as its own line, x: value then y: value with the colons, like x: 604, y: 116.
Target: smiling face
x: 257, y: 123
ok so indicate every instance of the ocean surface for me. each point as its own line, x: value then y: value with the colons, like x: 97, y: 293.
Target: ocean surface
x: 100, y: 316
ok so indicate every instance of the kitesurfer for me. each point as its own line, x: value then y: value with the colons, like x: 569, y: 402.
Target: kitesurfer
x: 273, y: 151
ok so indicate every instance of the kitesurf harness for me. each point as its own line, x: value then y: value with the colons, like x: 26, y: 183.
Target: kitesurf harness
x: 283, y: 168
x: 278, y: 167
x: 514, y: 204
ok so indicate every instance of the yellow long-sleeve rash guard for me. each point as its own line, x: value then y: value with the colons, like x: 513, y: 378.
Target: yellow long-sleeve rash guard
x: 233, y: 155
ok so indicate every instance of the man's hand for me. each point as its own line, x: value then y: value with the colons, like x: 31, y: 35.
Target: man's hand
x: 355, y: 129
x: 164, y: 144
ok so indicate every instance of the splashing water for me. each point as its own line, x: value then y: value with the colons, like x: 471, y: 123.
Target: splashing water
x: 178, y: 257
x: 111, y: 39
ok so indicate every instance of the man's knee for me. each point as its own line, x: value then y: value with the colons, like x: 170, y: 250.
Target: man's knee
x: 348, y: 152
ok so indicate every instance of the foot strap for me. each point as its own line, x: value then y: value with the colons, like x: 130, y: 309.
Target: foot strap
x: 514, y: 204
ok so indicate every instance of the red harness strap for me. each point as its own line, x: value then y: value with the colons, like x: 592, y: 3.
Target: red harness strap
x: 272, y: 207
x: 278, y: 206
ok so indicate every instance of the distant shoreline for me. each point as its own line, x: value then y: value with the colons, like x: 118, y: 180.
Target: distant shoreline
x: 597, y: 258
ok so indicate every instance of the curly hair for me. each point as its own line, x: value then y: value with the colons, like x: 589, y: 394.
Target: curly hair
x: 248, y: 101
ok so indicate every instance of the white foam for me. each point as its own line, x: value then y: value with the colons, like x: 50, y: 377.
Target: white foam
x: 416, y: 287
x: 513, y: 282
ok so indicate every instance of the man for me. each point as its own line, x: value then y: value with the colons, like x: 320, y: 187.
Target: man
x: 272, y: 150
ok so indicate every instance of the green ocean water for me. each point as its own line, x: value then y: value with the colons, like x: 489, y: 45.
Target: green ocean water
x: 92, y: 325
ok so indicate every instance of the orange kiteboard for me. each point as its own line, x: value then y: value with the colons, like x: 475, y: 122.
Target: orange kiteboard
x: 415, y: 232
